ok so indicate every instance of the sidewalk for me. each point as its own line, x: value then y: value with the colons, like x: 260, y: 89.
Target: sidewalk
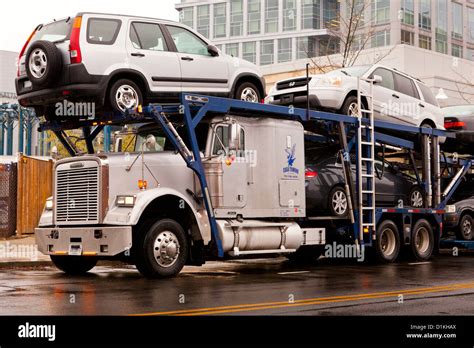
x: 21, y: 251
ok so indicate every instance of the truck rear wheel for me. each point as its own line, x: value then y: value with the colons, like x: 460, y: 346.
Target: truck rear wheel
x: 74, y: 265
x: 387, y: 244
x: 422, y: 240
x: 162, y: 250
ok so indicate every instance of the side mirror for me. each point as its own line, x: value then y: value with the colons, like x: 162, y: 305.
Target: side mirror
x: 235, y: 130
x: 213, y: 51
x: 377, y: 79
x: 118, y: 144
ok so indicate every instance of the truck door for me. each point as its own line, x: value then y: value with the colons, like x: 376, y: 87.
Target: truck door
x: 234, y: 167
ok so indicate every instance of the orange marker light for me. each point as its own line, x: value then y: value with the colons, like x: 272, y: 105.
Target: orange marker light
x: 142, y: 184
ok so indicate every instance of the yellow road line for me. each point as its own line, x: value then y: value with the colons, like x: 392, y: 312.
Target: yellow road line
x: 312, y: 301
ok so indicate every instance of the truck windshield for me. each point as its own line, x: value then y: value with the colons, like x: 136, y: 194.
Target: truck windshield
x: 151, y: 141
x: 55, y: 31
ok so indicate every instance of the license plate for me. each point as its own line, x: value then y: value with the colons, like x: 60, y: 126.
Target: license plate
x: 75, y: 249
x: 27, y: 84
x: 287, y: 98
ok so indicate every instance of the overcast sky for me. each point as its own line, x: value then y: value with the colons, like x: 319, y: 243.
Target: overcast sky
x: 18, y: 18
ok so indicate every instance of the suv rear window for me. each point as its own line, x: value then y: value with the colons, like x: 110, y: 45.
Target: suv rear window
x: 54, y: 32
x: 102, y: 31
x: 427, y: 94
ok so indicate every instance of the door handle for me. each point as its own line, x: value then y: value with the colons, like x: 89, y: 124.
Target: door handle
x: 138, y: 55
x: 421, y: 105
x: 395, y: 96
x: 189, y: 59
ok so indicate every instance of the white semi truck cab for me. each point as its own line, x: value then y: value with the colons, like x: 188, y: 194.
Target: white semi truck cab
x: 147, y: 206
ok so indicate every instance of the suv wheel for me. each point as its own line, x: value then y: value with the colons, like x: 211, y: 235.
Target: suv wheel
x: 247, y: 91
x: 351, y: 107
x: 338, y: 203
x: 43, y: 63
x: 125, y: 94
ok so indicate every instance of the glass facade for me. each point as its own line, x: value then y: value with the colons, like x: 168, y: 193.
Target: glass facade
x: 232, y: 49
x: 203, y: 21
x: 458, y: 22
x: 271, y: 16
x: 407, y: 37
x: 380, y: 11
x: 442, y: 26
x: 425, y: 42
x: 284, y: 50
x: 253, y: 17
x: 220, y: 20
x: 424, y: 17
x: 267, y: 52
x: 236, y: 17
x: 381, y: 38
x: 331, y: 14
x: 186, y: 16
x: 249, y: 51
x: 408, y: 12
x: 289, y: 15
x: 470, y: 15
x: 456, y: 51
x: 305, y: 47
x: 310, y: 14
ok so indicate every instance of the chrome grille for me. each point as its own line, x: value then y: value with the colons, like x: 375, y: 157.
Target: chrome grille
x: 77, y: 194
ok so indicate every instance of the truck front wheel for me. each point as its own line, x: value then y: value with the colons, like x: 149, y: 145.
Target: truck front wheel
x: 162, y: 250
x: 74, y: 265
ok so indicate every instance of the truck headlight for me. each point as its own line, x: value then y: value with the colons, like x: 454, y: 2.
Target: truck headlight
x: 450, y: 209
x: 126, y: 201
x: 49, y: 204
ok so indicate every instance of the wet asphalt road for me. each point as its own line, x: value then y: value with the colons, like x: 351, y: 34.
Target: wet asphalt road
x: 249, y: 287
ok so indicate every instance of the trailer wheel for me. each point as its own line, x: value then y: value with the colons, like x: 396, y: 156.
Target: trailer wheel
x: 306, y: 254
x: 74, y: 265
x: 162, y: 250
x: 387, y: 244
x: 465, y: 228
x: 422, y: 240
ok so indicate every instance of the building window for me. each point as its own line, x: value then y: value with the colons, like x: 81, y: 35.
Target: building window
x: 232, y: 49
x: 425, y: 42
x: 358, y: 9
x: 249, y: 51
x: 253, y: 17
x: 470, y: 54
x: 219, y: 47
x: 328, y: 47
x: 471, y: 23
x: 458, y: 24
x: 203, y: 20
x: 359, y: 42
x: 289, y: 15
x: 381, y: 11
x: 284, y: 50
x: 381, y: 38
x: 408, y: 37
x: 186, y: 16
x: 456, y: 51
x: 331, y: 14
x: 220, y: 20
x: 305, y: 47
x: 310, y: 14
x: 266, y: 52
x: 408, y: 12
x: 236, y: 18
x: 424, y: 17
x: 271, y: 16
x: 442, y: 26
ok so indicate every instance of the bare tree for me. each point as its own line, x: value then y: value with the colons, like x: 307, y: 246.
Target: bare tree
x: 348, y: 36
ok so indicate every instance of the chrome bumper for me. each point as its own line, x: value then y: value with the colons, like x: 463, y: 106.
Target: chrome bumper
x: 85, y: 241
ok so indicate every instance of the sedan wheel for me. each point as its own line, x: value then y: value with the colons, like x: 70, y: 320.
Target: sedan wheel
x: 338, y: 202
x: 416, y: 198
x: 465, y: 231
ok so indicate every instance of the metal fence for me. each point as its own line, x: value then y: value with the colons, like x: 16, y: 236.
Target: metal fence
x: 8, y: 199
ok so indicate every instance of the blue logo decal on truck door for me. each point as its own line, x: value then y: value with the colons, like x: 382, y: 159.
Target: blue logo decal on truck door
x: 291, y: 158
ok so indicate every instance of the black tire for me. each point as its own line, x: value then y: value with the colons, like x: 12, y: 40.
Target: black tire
x: 133, y: 91
x: 251, y: 88
x: 306, y: 255
x: 422, y: 240
x: 74, y: 265
x: 387, y: 245
x: 168, y: 233
x: 465, y: 230
x: 44, y: 53
x: 416, y: 193
x: 338, y: 194
x: 348, y: 103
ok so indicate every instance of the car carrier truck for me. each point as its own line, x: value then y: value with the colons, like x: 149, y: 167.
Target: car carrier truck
x: 229, y: 181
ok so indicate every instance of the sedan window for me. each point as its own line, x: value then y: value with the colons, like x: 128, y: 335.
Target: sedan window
x: 387, y: 78
x: 406, y: 86
x: 187, y: 42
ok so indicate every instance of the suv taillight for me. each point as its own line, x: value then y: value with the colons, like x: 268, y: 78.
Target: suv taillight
x: 74, y: 47
x: 22, y: 52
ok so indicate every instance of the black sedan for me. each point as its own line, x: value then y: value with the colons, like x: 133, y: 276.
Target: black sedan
x: 325, y: 184
x: 460, y: 119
